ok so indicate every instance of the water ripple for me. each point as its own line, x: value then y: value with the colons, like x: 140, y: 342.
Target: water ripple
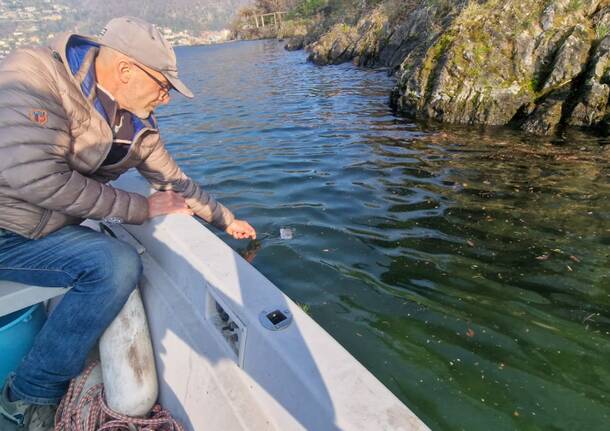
x: 466, y: 269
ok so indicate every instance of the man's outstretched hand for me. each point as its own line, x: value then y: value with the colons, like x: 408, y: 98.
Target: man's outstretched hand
x: 241, y: 229
x: 161, y: 203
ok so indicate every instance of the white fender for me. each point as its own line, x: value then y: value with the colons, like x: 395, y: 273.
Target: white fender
x: 128, y: 363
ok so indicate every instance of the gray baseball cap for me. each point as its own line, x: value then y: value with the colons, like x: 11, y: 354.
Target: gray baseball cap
x: 142, y: 41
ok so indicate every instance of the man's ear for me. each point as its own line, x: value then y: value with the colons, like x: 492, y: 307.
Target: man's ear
x: 125, y: 71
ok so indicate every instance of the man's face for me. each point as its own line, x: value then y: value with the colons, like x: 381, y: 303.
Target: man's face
x: 147, y: 90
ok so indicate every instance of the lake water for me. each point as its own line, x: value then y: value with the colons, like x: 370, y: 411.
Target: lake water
x: 467, y: 269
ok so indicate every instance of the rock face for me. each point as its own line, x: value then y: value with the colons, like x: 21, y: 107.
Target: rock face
x: 335, y: 46
x: 295, y: 43
x: 536, y: 64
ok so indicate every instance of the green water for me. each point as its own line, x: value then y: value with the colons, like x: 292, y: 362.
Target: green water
x: 466, y: 269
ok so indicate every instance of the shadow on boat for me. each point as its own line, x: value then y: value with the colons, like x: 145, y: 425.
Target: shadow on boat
x: 232, y: 351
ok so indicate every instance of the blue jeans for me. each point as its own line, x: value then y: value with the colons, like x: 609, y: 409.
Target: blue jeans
x: 102, y: 272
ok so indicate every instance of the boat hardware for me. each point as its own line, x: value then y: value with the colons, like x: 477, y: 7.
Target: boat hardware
x: 275, y: 319
x: 230, y: 328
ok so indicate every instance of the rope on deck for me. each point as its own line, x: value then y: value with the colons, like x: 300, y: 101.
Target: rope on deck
x: 71, y: 411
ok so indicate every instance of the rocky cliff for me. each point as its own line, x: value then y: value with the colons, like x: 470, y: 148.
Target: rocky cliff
x: 539, y: 65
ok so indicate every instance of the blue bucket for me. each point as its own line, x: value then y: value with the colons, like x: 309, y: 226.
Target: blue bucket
x: 17, y: 333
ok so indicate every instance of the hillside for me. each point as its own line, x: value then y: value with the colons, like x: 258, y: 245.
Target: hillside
x: 195, y: 15
x: 32, y: 22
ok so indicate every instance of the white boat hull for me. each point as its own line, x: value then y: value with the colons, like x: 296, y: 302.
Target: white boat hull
x: 295, y: 378
x: 221, y: 363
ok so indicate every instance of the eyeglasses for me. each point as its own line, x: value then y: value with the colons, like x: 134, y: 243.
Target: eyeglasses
x: 165, y: 87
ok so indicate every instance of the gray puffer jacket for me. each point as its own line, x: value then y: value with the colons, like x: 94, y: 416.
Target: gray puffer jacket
x: 53, y: 141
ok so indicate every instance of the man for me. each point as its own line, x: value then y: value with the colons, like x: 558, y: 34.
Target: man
x: 72, y: 118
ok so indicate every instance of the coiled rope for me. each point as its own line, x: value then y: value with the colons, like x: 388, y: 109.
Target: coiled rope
x: 71, y: 411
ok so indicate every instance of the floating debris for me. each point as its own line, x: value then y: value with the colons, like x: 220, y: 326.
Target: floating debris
x: 286, y: 233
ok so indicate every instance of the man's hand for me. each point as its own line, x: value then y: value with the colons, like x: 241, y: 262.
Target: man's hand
x: 241, y: 229
x: 161, y: 203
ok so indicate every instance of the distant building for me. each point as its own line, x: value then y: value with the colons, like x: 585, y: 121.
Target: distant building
x: 39, y: 21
